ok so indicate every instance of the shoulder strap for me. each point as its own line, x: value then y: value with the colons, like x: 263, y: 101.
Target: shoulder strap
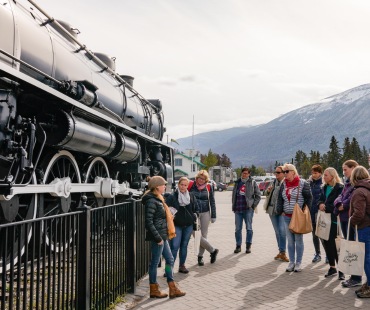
x: 190, y: 185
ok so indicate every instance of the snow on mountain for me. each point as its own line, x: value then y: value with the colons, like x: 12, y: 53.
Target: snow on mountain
x: 346, y: 114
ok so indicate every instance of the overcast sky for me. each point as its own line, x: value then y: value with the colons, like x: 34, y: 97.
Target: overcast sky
x: 227, y: 62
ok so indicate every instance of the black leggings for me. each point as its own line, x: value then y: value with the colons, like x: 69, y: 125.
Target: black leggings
x: 329, y: 245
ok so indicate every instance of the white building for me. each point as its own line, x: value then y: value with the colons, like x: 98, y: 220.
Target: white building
x: 187, y: 164
x: 222, y: 174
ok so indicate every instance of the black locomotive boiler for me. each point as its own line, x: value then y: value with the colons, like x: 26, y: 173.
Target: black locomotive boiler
x: 69, y: 124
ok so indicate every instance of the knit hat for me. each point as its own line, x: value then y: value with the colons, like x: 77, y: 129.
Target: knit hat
x: 156, y: 181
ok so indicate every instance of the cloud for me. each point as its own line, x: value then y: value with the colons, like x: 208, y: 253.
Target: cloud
x: 309, y: 91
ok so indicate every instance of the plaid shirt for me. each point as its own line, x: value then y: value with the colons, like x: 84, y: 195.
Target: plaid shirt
x: 241, y: 204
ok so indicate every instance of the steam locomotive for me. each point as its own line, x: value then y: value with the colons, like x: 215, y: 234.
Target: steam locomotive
x: 69, y: 123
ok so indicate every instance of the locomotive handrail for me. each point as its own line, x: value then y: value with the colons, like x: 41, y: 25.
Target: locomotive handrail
x: 102, y: 65
x: 31, y: 67
x: 17, y: 75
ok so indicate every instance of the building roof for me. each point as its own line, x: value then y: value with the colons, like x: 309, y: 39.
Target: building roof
x: 182, y: 171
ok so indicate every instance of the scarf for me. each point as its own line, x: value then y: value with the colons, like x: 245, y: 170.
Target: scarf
x: 169, y: 218
x: 184, y: 198
x: 200, y: 187
x: 290, y: 185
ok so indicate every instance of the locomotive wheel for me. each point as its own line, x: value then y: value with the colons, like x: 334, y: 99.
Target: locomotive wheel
x: 18, y: 236
x: 97, y: 168
x: 61, y: 165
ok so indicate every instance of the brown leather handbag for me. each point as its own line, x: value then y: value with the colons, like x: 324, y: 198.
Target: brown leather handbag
x: 301, y: 219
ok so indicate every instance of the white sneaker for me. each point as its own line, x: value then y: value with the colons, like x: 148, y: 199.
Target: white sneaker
x: 290, y: 267
x: 298, y: 267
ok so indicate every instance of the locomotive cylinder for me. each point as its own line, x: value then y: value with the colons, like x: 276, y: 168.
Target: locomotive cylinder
x: 78, y: 134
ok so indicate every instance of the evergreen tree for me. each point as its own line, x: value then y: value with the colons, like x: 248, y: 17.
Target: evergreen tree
x: 315, y: 158
x: 225, y: 161
x: 334, y: 156
x: 299, y: 160
x: 347, y: 150
x: 356, y: 150
x: 365, y: 158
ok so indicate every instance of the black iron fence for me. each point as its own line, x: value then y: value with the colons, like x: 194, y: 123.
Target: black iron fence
x: 79, y: 260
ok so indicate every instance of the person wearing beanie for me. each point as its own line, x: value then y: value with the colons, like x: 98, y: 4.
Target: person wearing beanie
x: 159, y: 230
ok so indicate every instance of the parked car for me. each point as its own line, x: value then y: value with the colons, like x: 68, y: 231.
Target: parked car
x: 263, y: 186
x: 221, y: 186
x: 213, y: 183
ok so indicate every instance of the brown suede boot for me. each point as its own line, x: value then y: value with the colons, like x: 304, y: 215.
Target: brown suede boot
x: 283, y: 257
x: 155, y: 291
x: 174, y: 290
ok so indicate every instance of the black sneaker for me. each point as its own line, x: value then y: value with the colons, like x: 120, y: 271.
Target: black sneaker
x: 316, y: 258
x: 341, y: 276
x: 237, y: 249
x: 214, y: 255
x: 331, y: 272
x: 200, y: 261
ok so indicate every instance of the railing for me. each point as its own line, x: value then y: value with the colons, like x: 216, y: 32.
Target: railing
x: 79, y: 260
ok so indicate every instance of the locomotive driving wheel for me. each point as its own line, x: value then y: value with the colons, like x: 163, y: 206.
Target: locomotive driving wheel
x: 57, y: 234
x: 97, y: 167
x: 15, y: 239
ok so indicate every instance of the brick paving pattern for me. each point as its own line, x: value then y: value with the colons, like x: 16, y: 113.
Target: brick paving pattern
x: 248, y: 281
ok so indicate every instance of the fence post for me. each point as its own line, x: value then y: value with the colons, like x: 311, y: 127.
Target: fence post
x: 131, y: 263
x: 84, y: 258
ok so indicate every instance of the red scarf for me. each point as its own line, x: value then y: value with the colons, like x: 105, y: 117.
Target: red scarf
x: 290, y: 185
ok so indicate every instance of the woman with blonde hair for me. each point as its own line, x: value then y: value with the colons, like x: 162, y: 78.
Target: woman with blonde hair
x: 204, y: 195
x: 332, y: 188
x: 293, y: 190
x: 186, y: 207
x: 360, y: 216
x: 159, y: 229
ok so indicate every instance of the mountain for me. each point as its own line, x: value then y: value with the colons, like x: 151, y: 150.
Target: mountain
x: 311, y: 127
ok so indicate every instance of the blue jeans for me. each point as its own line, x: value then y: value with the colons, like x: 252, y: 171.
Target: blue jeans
x: 364, y: 236
x: 181, y: 242
x: 247, y: 216
x: 280, y: 231
x: 295, y: 243
x: 157, y: 252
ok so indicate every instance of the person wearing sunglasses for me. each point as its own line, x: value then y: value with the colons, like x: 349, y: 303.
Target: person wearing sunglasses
x: 294, y: 190
x: 277, y: 220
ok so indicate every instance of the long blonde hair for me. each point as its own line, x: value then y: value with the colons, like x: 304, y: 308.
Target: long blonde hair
x: 334, y: 174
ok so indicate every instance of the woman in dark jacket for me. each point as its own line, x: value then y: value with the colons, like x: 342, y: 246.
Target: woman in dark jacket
x: 204, y: 194
x: 330, y: 191
x: 185, y: 205
x: 360, y: 216
x: 159, y: 228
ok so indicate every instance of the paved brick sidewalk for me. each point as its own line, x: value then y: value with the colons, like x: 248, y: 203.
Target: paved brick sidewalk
x: 248, y: 281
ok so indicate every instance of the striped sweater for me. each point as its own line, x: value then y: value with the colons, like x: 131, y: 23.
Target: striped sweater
x: 304, y: 198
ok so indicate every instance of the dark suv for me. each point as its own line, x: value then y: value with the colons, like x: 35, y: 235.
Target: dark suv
x: 221, y: 186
